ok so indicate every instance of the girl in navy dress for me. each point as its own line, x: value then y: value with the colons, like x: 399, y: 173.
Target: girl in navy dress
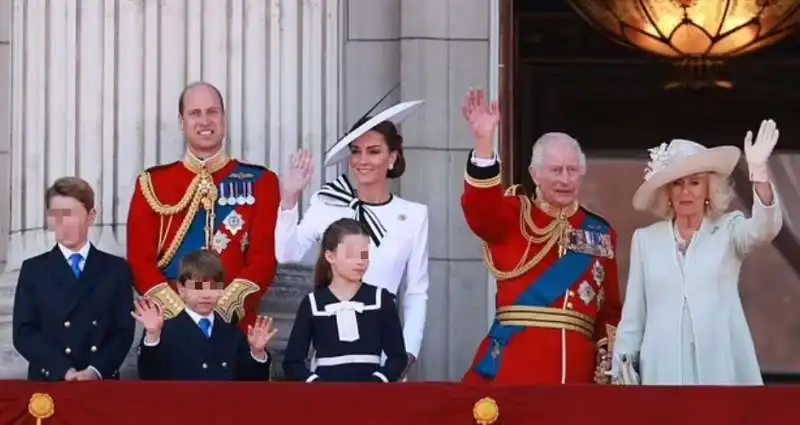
x: 349, y: 322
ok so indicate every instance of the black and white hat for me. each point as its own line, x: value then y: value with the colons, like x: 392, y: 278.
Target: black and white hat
x: 396, y: 114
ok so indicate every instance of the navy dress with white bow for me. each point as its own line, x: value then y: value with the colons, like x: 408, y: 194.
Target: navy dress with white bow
x: 348, y: 337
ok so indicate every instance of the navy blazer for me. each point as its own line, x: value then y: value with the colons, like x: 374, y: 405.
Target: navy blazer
x: 62, y: 322
x: 185, y: 353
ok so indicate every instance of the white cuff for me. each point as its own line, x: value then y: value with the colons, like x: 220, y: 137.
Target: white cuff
x: 284, y: 214
x: 312, y: 378
x: 151, y: 344
x: 96, y: 372
x: 757, y: 199
x: 380, y: 376
x: 483, y: 162
x: 260, y: 360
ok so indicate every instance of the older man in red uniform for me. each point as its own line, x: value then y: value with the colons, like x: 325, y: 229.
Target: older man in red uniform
x: 205, y: 201
x: 554, y: 261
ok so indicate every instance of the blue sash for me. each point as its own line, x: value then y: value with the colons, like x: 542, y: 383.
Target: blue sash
x: 542, y: 292
x: 196, y: 235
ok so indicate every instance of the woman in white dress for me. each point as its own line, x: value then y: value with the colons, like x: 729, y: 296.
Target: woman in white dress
x: 398, y: 228
x: 682, y: 319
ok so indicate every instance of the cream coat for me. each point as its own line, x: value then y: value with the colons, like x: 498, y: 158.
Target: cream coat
x: 683, y: 314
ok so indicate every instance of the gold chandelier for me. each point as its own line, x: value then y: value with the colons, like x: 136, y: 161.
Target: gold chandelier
x: 696, y: 33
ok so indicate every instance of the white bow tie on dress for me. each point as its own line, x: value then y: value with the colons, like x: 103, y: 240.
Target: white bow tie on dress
x: 346, y: 323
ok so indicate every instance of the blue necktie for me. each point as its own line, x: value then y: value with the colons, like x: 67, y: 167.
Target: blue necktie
x: 75, y: 264
x: 205, y: 326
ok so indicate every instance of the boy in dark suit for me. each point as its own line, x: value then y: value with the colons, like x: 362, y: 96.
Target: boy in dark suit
x: 72, y: 304
x: 197, y: 344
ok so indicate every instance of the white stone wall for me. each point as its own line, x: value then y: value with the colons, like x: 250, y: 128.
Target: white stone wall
x: 438, y: 49
x: 5, y: 127
x: 100, y: 100
x: 95, y: 94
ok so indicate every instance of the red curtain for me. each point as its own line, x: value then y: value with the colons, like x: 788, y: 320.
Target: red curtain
x: 184, y: 403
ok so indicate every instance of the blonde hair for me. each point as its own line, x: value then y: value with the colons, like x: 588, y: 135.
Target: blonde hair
x: 720, y: 195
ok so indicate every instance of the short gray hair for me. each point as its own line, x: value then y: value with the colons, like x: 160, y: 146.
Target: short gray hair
x: 551, y: 139
x: 720, y: 194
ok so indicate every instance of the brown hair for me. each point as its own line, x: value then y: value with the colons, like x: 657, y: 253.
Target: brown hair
x: 201, y: 266
x: 394, y: 141
x: 182, y: 98
x: 332, y: 237
x: 71, y: 187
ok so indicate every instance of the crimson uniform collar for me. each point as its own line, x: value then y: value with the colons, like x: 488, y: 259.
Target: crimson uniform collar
x: 554, y: 211
x: 212, y: 164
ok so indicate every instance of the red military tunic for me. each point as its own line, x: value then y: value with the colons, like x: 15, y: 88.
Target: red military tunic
x: 223, y: 205
x: 557, y: 285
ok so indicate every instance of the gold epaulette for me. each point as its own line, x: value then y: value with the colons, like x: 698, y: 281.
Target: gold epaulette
x: 170, y: 302
x: 232, y: 300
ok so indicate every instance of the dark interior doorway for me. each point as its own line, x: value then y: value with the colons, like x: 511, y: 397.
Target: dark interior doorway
x: 559, y: 74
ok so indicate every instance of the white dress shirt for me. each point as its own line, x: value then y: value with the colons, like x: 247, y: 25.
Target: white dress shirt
x: 84, y: 252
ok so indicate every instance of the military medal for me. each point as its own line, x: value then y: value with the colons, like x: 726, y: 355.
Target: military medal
x: 250, y: 198
x: 233, y: 222
x: 231, y: 197
x: 244, y: 242
x: 222, y: 201
x: 586, y: 292
x: 598, y: 272
x: 596, y: 244
x: 240, y: 198
x: 219, y: 242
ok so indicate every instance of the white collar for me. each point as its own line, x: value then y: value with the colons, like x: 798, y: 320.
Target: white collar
x: 84, y: 252
x: 197, y: 316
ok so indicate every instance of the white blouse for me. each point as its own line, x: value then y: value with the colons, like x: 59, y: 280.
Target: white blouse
x: 402, y: 228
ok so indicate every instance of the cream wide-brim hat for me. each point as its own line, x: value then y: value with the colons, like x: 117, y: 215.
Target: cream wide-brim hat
x: 678, y: 159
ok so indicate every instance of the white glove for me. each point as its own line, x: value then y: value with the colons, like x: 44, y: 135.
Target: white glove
x: 625, y: 372
x: 757, y: 154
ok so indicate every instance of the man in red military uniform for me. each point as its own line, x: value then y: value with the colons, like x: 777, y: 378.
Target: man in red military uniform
x: 554, y: 261
x: 205, y: 201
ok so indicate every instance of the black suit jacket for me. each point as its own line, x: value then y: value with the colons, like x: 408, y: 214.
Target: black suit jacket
x: 184, y: 353
x: 62, y: 322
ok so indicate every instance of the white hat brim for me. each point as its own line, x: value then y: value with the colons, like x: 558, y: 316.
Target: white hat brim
x: 395, y: 114
x: 720, y: 160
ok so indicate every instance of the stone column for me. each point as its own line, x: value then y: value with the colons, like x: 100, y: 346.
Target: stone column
x: 445, y: 50
x: 437, y: 49
x: 95, y: 93
x: 5, y: 144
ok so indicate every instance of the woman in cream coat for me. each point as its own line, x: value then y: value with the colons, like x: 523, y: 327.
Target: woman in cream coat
x: 682, y: 320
